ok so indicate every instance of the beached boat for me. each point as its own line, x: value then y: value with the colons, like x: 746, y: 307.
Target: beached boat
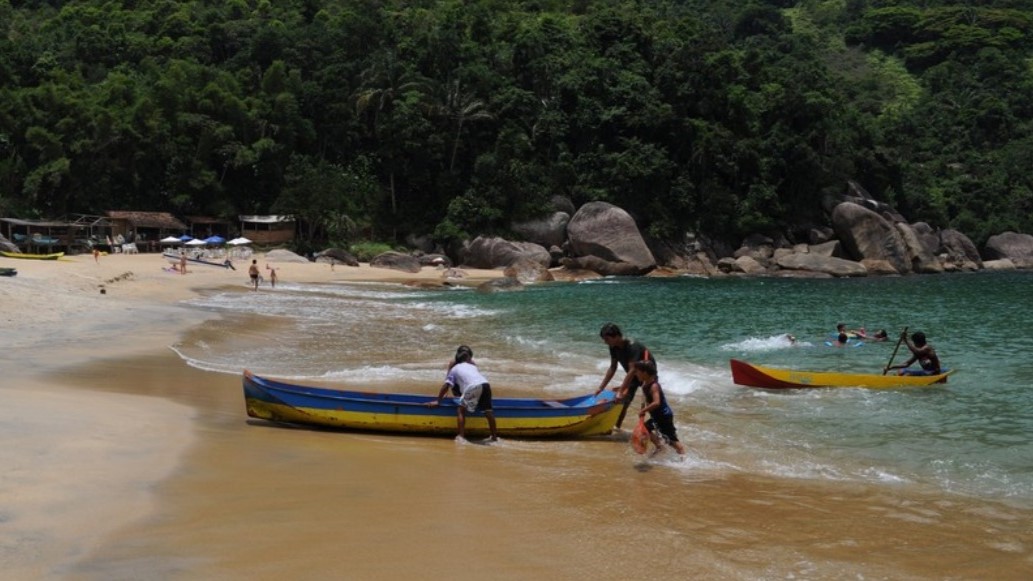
x: 587, y: 415
x: 751, y: 375
x: 51, y: 256
x: 8, y: 271
x: 174, y: 259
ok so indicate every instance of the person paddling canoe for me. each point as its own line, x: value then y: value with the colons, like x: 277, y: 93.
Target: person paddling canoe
x: 922, y: 352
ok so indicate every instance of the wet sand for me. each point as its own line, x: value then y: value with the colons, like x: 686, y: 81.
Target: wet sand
x: 129, y: 464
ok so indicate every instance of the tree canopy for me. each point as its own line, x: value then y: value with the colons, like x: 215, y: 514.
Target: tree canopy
x: 382, y: 118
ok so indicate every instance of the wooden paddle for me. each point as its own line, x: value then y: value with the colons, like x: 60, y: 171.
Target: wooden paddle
x: 892, y: 357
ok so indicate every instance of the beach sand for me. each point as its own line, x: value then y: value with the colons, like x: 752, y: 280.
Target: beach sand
x: 90, y: 422
x: 123, y: 462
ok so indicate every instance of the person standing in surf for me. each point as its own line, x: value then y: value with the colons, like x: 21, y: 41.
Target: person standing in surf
x: 661, y: 416
x: 624, y: 352
x: 466, y: 381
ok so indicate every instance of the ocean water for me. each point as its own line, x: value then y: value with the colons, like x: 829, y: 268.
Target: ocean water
x: 971, y: 438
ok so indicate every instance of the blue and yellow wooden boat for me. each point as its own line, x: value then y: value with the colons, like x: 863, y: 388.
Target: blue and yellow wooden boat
x: 577, y: 417
x: 752, y: 375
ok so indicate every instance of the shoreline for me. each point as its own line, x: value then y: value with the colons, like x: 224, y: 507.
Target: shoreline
x: 130, y: 463
x: 86, y: 451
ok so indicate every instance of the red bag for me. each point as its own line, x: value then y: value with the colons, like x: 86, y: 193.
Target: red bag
x: 640, y: 436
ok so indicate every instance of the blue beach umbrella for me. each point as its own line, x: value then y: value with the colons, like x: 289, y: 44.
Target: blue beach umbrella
x: 214, y: 240
x: 186, y: 238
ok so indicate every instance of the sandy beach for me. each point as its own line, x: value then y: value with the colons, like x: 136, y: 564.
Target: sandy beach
x: 124, y: 462
x: 81, y: 463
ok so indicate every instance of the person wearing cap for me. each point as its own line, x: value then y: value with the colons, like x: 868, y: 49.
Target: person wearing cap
x: 466, y: 381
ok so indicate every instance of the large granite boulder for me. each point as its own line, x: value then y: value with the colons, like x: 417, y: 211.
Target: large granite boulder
x: 826, y: 264
x: 494, y: 252
x: 505, y: 283
x: 960, y: 250
x: 396, y: 261
x: 606, y: 232
x: 1016, y: 247
x: 923, y: 260
x: 528, y: 270
x: 337, y: 256
x: 866, y: 234
x: 284, y: 255
x: 830, y: 249
x: 749, y: 265
x: 930, y: 238
x: 548, y: 232
x: 602, y: 266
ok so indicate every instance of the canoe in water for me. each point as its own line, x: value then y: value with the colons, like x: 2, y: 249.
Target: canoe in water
x: 751, y: 375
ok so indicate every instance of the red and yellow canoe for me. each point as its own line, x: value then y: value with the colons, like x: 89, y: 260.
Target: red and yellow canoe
x: 751, y: 375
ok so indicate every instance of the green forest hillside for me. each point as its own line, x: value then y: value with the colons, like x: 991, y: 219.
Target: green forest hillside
x: 382, y: 118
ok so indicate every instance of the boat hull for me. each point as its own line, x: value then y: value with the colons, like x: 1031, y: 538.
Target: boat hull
x: 751, y: 375
x: 175, y: 258
x: 27, y: 256
x: 408, y: 414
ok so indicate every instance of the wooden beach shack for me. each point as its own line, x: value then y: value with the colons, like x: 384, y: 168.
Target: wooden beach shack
x: 39, y: 236
x: 72, y: 234
x: 206, y: 226
x: 268, y: 230
x: 143, y: 231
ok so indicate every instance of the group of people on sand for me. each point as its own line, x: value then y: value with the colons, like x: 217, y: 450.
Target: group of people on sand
x: 466, y: 382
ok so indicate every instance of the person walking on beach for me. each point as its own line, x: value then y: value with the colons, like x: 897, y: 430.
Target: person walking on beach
x: 272, y: 275
x: 661, y: 422
x: 922, y: 352
x: 466, y: 381
x: 624, y: 352
x: 252, y: 271
x: 182, y: 262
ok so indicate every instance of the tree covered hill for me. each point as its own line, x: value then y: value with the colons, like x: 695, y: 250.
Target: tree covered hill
x: 380, y: 118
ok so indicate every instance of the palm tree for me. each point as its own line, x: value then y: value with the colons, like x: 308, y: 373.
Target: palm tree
x: 462, y: 107
x: 382, y: 83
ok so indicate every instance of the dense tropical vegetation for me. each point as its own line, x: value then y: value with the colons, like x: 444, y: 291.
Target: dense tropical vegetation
x: 375, y: 119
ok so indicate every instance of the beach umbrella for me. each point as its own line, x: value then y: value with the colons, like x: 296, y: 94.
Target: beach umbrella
x: 239, y: 241
x: 186, y: 238
x: 214, y: 240
x: 195, y: 242
x: 171, y: 240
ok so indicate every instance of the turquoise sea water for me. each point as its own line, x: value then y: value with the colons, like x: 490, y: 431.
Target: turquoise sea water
x: 972, y: 437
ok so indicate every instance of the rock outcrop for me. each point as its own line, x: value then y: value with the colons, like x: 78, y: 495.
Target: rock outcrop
x: 826, y: 264
x: 1018, y: 248
x: 866, y: 234
x: 396, y: 261
x: 494, y: 252
x: 607, y: 235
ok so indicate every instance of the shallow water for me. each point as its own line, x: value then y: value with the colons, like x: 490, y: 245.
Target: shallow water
x: 970, y: 437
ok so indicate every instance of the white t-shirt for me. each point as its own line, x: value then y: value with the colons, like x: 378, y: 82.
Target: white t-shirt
x: 465, y: 375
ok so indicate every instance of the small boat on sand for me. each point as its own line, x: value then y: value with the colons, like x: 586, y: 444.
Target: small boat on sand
x: 26, y: 256
x: 751, y: 375
x: 174, y: 259
x: 8, y: 271
x: 576, y: 417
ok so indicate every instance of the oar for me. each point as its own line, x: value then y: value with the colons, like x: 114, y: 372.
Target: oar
x: 892, y: 357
